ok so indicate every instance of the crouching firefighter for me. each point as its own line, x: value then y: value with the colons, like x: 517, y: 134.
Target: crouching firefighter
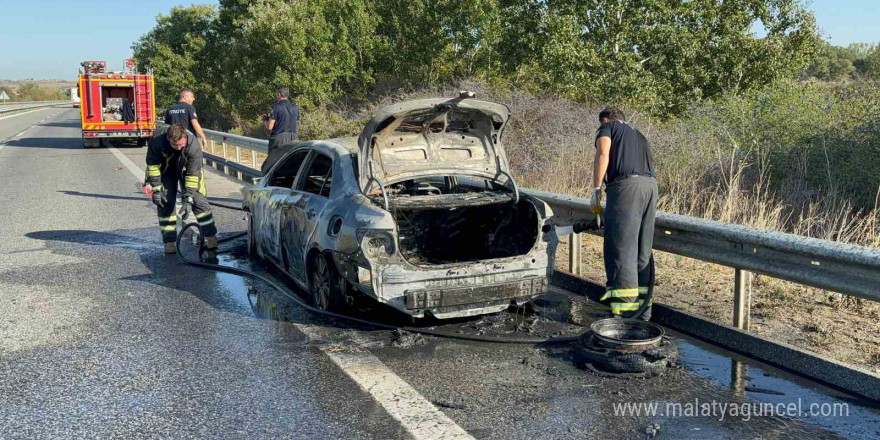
x: 623, y: 162
x: 174, y: 156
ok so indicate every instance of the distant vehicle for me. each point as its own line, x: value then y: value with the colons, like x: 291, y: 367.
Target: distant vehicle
x: 116, y: 105
x: 74, y: 96
x: 420, y: 213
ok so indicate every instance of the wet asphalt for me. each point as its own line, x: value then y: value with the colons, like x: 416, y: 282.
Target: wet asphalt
x: 103, y: 336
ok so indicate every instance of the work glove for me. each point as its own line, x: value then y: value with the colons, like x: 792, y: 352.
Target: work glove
x: 160, y: 198
x: 596, y: 201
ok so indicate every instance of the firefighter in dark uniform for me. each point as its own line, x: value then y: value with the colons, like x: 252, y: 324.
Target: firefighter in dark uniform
x: 174, y: 156
x: 183, y: 113
x: 282, y: 120
x: 623, y: 162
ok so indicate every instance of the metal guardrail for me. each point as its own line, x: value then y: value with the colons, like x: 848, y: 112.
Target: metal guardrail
x: 834, y: 266
x: 6, y: 107
x: 829, y: 265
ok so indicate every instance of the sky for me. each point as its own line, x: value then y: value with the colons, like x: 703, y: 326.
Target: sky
x: 47, y: 39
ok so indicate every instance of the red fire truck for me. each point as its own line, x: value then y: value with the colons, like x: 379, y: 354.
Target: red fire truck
x: 116, y: 105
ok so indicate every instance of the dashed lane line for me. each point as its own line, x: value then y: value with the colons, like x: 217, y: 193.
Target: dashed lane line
x: 416, y: 414
x: 24, y: 113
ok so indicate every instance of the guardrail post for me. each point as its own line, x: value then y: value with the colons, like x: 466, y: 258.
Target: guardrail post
x: 225, y: 168
x: 238, y: 160
x: 212, y: 146
x: 254, y: 159
x: 742, y: 299
x: 574, y: 253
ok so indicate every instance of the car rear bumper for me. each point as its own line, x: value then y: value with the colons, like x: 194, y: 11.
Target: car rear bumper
x: 454, y: 291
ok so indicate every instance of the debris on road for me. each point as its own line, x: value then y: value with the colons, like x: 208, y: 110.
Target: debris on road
x: 404, y: 339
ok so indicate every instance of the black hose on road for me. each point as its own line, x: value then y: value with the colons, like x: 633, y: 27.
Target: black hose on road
x: 295, y: 298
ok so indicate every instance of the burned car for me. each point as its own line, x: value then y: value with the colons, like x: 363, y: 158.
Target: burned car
x: 419, y: 212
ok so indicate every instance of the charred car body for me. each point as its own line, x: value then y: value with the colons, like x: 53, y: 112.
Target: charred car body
x: 419, y: 212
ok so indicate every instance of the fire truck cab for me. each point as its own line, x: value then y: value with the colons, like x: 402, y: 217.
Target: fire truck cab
x: 116, y: 105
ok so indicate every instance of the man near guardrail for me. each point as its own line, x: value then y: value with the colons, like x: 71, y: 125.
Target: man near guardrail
x: 623, y: 162
x: 282, y: 120
x: 184, y: 113
x: 174, y: 156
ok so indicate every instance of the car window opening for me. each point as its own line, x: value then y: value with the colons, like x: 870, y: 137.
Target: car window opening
x: 285, y: 174
x: 317, y: 179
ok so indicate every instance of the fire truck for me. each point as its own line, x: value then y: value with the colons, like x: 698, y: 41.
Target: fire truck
x: 116, y: 105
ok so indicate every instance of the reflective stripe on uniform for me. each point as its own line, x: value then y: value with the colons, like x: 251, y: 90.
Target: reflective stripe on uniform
x: 153, y: 171
x: 167, y: 228
x: 158, y: 188
x: 616, y: 308
x: 620, y: 293
x: 192, y: 182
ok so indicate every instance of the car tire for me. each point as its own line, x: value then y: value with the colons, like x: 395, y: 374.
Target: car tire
x: 325, y: 285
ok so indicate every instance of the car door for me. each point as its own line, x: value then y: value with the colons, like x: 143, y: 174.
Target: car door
x: 269, y: 206
x: 302, y: 210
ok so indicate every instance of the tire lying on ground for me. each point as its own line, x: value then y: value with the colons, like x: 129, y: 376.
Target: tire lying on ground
x: 615, y: 363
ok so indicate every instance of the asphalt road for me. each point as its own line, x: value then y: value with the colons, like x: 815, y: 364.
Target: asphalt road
x: 103, y: 336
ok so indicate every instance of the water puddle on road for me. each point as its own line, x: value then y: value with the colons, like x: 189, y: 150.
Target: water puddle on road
x: 789, y: 394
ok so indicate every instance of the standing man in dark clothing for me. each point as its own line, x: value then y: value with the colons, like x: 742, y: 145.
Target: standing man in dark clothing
x: 174, y: 158
x: 282, y: 120
x: 623, y: 162
x: 183, y: 113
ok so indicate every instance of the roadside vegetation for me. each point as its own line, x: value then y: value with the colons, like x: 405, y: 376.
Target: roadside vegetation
x: 29, y: 91
x: 780, y: 131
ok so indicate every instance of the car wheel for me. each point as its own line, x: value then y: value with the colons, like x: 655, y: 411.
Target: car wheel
x: 324, y: 284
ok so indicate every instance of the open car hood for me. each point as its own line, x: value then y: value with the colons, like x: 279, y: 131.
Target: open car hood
x: 434, y: 137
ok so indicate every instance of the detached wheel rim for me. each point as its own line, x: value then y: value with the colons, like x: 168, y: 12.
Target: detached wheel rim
x: 321, y: 283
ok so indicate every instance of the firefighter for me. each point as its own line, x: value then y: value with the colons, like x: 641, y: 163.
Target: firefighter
x: 183, y: 113
x: 623, y: 162
x: 282, y: 120
x: 174, y: 156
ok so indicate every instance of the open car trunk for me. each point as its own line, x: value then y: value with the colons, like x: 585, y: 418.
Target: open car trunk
x: 469, y: 232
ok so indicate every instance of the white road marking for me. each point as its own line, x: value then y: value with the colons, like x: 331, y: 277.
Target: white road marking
x: 416, y: 414
x: 19, y: 114
x: 138, y: 173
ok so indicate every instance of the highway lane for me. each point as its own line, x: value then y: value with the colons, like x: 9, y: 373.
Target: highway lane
x: 17, y: 123
x: 103, y: 336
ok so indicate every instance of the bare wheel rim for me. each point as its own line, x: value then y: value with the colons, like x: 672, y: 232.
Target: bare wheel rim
x: 321, y: 282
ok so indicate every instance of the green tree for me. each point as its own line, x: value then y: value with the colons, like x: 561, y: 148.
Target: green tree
x: 870, y: 64
x: 322, y: 49
x: 661, y: 55
x: 435, y: 41
x: 177, y: 52
x: 28, y: 92
x: 831, y: 63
